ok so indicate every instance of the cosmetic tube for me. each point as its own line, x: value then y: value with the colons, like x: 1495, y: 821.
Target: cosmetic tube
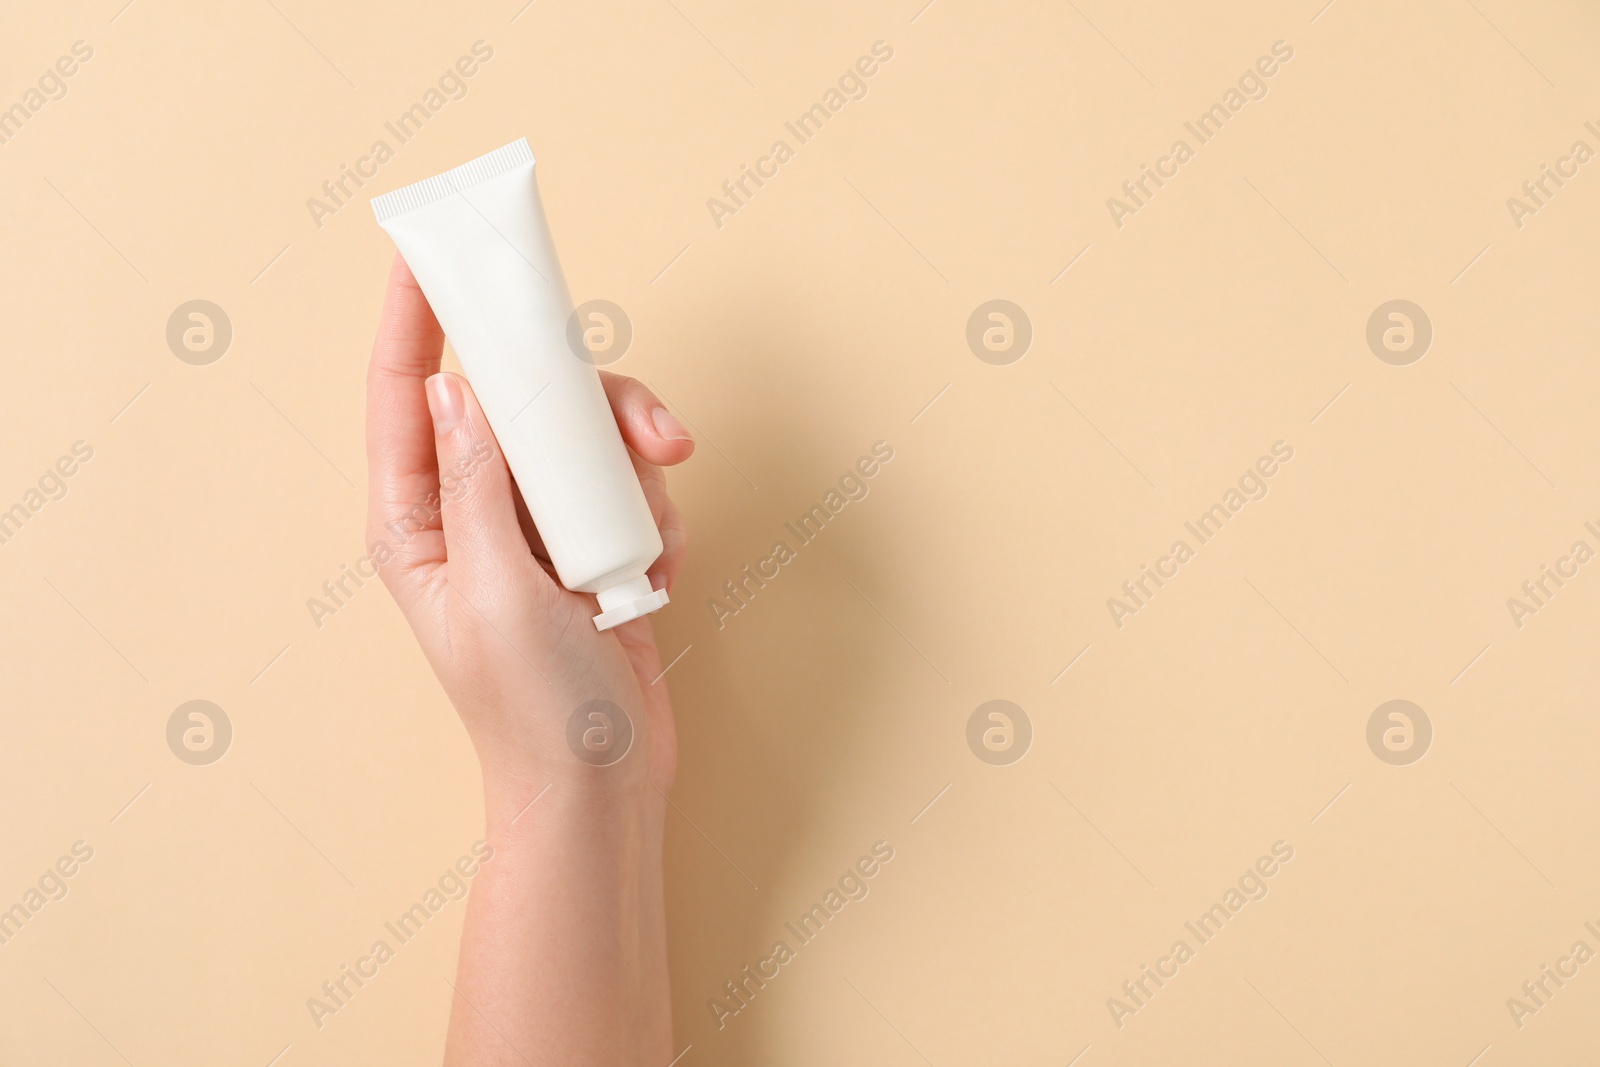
x: 477, y: 241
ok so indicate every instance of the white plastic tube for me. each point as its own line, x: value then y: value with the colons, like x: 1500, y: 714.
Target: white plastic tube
x: 477, y: 241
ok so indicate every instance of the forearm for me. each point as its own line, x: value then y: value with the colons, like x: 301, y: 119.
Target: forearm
x: 563, y: 956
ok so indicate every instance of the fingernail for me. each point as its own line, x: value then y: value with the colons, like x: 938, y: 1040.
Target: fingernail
x: 445, y: 402
x: 669, y: 427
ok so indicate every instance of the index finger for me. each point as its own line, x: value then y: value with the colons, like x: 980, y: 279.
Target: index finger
x: 402, y: 464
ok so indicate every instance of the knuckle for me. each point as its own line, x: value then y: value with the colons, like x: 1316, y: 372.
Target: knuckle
x: 470, y: 476
x: 673, y: 531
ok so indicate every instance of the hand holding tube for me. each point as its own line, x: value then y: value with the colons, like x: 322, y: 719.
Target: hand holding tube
x: 569, y: 912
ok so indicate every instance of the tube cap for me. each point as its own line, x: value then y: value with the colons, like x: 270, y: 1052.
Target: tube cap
x: 628, y: 600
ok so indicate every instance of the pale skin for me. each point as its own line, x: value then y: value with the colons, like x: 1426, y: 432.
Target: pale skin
x: 563, y: 955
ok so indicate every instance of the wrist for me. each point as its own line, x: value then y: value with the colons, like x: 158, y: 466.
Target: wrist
x: 594, y: 809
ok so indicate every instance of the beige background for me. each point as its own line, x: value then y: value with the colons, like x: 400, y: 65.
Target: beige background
x: 1230, y: 713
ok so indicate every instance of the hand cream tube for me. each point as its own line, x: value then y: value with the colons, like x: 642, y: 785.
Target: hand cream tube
x: 476, y: 239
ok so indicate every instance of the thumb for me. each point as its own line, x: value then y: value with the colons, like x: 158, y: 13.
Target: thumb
x: 487, y: 555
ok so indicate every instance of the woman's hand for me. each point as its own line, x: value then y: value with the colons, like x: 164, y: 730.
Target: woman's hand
x: 563, y: 953
x: 516, y: 653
